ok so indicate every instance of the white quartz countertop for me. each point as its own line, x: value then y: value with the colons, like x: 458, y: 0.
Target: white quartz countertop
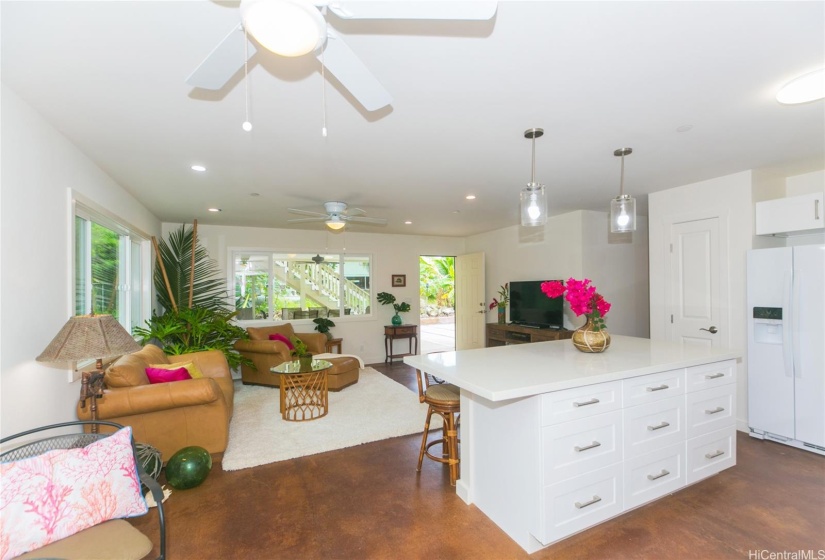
x: 522, y: 370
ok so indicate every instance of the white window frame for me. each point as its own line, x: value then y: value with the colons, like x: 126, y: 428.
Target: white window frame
x: 234, y: 252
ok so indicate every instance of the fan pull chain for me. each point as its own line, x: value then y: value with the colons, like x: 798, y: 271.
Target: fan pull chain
x: 324, y: 93
x: 247, y: 126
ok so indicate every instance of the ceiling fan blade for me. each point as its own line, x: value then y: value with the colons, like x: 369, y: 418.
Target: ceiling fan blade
x: 307, y: 212
x: 432, y: 9
x: 306, y: 220
x: 365, y: 220
x: 222, y: 63
x: 355, y: 212
x: 353, y: 75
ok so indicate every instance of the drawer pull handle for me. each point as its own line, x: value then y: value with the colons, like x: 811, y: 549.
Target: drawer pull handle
x: 715, y: 376
x: 657, y: 476
x: 714, y: 455
x: 585, y: 403
x: 595, y: 499
x: 716, y: 410
x: 586, y: 447
x: 659, y: 388
x: 659, y: 427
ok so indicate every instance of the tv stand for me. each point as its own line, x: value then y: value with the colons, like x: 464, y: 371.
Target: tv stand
x: 503, y: 335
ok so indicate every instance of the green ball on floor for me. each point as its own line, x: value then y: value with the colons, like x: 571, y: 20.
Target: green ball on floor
x: 188, y: 467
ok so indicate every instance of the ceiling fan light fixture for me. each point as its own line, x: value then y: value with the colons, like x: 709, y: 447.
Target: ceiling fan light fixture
x: 533, y: 199
x: 623, y: 207
x: 285, y: 27
x: 335, y: 223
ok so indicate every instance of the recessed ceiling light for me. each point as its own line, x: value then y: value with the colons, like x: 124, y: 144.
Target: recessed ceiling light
x: 456, y: 211
x: 408, y: 222
x: 254, y: 194
x: 807, y: 87
x: 198, y: 168
x: 684, y: 128
x: 214, y: 209
x: 470, y: 197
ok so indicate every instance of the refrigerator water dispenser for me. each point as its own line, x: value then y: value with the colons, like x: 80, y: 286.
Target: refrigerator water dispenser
x: 767, y: 325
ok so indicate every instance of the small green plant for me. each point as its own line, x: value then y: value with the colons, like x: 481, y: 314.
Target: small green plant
x: 300, y: 347
x: 386, y: 298
x: 322, y: 325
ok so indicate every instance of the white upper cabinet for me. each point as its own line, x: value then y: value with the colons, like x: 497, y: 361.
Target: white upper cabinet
x: 791, y: 216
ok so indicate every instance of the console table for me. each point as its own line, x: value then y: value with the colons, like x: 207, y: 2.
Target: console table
x: 334, y: 343
x: 503, y: 335
x: 393, y: 332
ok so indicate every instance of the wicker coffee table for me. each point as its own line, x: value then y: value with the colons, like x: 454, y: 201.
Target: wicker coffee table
x: 304, y: 394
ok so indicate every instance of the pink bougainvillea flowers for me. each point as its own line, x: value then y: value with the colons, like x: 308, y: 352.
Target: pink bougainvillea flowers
x: 583, y: 299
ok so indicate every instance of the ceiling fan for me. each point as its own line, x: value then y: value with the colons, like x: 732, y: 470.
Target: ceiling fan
x: 336, y: 216
x: 298, y: 27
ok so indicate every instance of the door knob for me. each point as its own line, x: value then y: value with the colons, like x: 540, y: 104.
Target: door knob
x: 711, y: 330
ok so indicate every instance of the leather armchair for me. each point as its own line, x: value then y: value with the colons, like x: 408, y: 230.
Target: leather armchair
x: 169, y: 416
x: 266, y: 353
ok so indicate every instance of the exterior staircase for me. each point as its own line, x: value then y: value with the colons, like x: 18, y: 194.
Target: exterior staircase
x: 321, y: 284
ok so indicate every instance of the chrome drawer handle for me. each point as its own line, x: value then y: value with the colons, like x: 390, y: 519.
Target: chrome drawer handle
x: 595, y: 499
x: 657, y: 476
x: 714, y: 455
x: 585, y: 403
x: 659, y: 427
x: 715, y: 410
x: 586, y: 447
x: 659, y: 388
x: 715, y: 376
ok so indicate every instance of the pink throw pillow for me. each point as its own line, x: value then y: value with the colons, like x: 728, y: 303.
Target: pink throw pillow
x: 61, y: 492
x: 282, y: 338
x: 161, y: 375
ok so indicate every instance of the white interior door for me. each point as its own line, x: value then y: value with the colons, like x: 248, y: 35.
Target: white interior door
x: 470, y: 310
x: 697, y: 288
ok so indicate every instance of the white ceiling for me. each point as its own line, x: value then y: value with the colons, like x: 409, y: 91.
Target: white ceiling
x: 595, y: 75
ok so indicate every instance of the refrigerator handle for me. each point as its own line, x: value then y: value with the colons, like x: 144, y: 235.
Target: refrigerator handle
x: 787, y: 330
x: 795, y: 313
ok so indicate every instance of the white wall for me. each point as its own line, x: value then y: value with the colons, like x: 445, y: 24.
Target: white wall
x: 578, y: 245
x: 392, y: 254
x: 39, y: 166
x: 805, y: 184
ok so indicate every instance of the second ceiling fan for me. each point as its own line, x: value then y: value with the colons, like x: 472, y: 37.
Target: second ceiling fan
x: 298, y: 27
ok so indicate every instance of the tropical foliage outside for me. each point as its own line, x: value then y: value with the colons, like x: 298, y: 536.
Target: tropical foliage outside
x: 437, y: 284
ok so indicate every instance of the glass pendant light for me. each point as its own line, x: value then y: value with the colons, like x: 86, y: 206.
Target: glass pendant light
x: 623, y: 207
x: 533, y: 199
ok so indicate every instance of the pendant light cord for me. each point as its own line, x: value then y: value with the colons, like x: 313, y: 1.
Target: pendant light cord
x: 246, y: 125
x: 533, y: 172
x: 621, y: 180
x: 324, y: 93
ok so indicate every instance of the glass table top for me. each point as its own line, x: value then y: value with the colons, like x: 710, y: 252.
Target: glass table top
x: 295, y: 367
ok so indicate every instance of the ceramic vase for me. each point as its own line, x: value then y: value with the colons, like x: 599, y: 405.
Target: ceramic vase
x: 586, y: 339
x: 502, y: 315
x: 396, y: 319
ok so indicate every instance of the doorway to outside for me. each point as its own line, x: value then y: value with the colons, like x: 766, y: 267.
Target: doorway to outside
x: 437, y: 303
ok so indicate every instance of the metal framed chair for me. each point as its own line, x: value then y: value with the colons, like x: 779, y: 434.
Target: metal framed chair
x: 443, y: 399
x: 114, y: 538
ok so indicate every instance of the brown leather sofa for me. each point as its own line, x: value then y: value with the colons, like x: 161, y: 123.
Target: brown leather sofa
x: 169, y: 416
x: 266, y: 354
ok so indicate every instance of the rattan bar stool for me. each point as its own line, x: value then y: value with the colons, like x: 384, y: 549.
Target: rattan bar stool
x: 443, y: 399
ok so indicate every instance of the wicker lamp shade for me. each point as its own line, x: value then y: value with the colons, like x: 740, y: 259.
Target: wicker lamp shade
x: 86, y: 337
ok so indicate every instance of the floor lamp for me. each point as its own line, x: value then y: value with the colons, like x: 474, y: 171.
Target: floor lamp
x: 90, y: 337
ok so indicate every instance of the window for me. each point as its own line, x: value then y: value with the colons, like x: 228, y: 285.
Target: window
x: 111, y: 269
x: 288, y: 286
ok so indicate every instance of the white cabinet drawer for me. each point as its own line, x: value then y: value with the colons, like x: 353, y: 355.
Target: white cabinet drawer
x: 653, y: 475
x: 710, y: 453
x: 579, y: 503
x: 653, y: 426
x: 580, y: 402
x: 710, y: 410
x: 574, y: 448
x: 711, y: 375
x: 650, y: 388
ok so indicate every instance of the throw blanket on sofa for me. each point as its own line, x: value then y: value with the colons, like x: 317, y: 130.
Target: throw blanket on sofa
x: 333, y: 356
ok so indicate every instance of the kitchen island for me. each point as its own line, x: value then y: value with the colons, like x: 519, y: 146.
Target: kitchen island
x: 554, y: 440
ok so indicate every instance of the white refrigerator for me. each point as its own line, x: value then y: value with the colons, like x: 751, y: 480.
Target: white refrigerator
x: 786, y: 345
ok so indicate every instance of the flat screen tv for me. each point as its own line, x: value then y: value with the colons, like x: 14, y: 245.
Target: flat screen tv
x: 529, y: 306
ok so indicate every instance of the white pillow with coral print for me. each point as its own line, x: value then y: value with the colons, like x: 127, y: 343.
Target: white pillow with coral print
x: 59, y: 493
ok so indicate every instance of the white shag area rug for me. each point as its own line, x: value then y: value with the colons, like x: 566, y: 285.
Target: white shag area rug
x: 375, y: 408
